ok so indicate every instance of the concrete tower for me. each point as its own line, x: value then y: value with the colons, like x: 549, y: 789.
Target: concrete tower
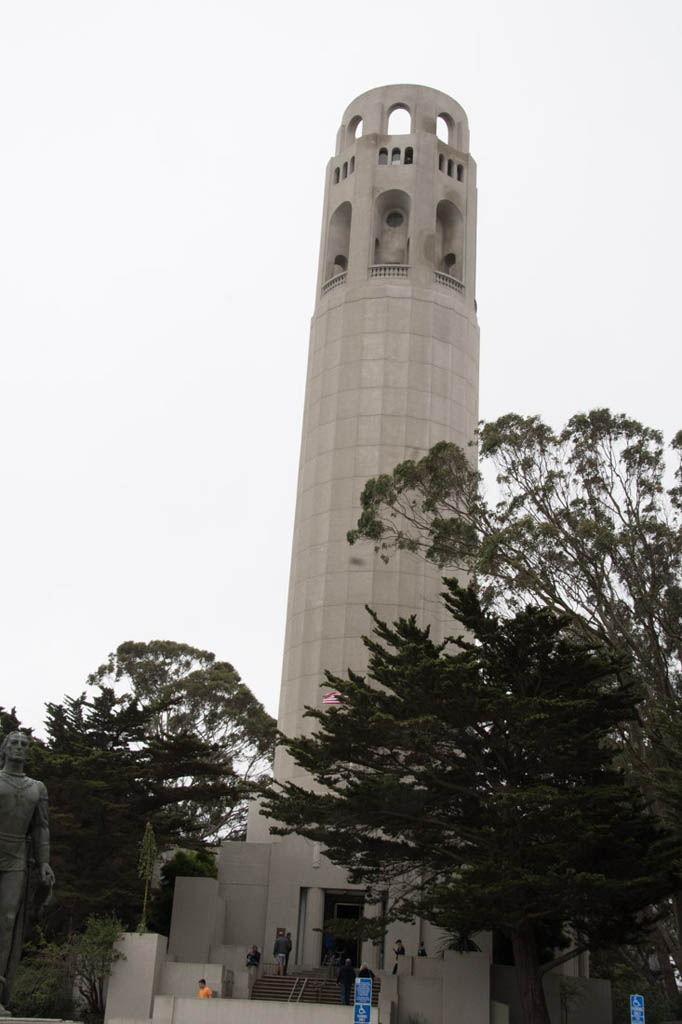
x: 392, y: 369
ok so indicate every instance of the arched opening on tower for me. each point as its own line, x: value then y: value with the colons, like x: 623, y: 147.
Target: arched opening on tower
x: 354, y: 128
x: 399, y: 120
x: 445, y: 129
x: 338, y: 241
x: 391, y: 227
x: 449, y: 240
x: 383, y: 156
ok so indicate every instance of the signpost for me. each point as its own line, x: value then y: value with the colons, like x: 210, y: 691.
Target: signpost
x: 636, y: 1009
x: 363, y: 1001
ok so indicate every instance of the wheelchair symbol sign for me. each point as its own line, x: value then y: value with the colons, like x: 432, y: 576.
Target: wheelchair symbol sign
x: 637, y: 1009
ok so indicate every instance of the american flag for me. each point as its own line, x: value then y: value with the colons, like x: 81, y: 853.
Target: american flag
x: 331, y: 698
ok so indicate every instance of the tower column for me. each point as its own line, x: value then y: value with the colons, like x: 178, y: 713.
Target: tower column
x: 312, y: 939
x: 371, y: 953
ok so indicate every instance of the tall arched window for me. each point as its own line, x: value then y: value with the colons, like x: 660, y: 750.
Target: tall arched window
x: 338, y: 240
x: 344, y: 173
x: 445, y: 129
x: 336, y: 175
x: 383, y: 156
x: 449, y: 239
x: 408, y: 155
x: 354, y: 128
x: 391, y: 227
x: 399, y: 121
x: 395, y: 156
x: 451, y: 168
x: 441, y: 161
x: 460, y: 172
x: 352, y: 164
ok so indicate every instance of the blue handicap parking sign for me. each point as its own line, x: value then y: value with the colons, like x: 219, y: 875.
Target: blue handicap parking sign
x: 637, y: 1009
x: 363, y: 1001
x: 361, y: 1013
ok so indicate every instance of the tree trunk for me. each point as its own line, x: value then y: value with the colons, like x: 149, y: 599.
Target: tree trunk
x: 666, y: 968
x: 533, y: 1003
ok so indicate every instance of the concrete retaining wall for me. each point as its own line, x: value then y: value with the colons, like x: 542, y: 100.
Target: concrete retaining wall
x: 171, y: 1010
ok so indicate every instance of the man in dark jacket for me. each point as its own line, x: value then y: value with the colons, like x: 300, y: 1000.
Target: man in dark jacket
x: 346, y: 979
x: 280, y: 950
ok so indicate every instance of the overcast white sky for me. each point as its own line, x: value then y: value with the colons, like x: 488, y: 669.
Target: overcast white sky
x: 161, y: 176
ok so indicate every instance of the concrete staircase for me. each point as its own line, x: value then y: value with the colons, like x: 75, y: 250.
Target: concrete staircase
x: 308, y: 987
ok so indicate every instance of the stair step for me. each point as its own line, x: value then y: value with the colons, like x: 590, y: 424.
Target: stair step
x: 315, y: 990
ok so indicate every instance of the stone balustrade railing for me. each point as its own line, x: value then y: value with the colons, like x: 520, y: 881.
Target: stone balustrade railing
x: 389, y: 270
x: 333, y: 282
x: 449, y: 282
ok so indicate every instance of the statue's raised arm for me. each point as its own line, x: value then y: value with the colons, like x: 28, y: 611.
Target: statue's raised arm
x: 24, y: 847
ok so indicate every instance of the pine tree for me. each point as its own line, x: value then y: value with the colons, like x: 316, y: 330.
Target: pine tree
x: 480, y: 773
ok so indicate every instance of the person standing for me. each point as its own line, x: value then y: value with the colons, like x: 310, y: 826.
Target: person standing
x: 346, y: 979
x: 253, y: 957
x: 286, y: 960
x: 365, y: 972
x: 204, y: 991
x: 280, y: 950
x: 422, y: 949
x: 399, y: 950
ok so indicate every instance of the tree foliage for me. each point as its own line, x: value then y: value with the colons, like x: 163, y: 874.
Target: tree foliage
x: 584, y: 524
x: 186, y: 692
x: 112, y: 760
x: 92, y: 955
x: 43, y: 986
x: 586, y: 521
x: 51, y: 974
x: 480, y: 773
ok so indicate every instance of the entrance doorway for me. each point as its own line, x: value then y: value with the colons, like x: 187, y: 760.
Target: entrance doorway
x: 341, y: 907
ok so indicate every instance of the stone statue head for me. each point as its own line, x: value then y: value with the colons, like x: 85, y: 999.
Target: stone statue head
x: 7, y: 740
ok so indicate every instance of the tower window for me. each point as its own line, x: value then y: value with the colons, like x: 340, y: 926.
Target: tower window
x: 383, y: 156
x: 336, y: 175
x: 338, y: 241
x: 408, y: 155
x: 395, y: 156
x: 449, y: 261
x: 399, y: 121
x: 352, y: 164
x: 392, y: 215
x: 445, y: 129
x: 355, y: 128
x: 345, y: 170
x: 441, y: 161
x: 460, y: 172
x: 451, y: 168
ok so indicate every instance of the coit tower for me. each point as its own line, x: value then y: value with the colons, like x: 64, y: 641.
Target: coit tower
x: 392, y: 369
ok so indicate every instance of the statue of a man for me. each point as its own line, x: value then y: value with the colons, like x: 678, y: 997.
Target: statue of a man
x: 24, y: 845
